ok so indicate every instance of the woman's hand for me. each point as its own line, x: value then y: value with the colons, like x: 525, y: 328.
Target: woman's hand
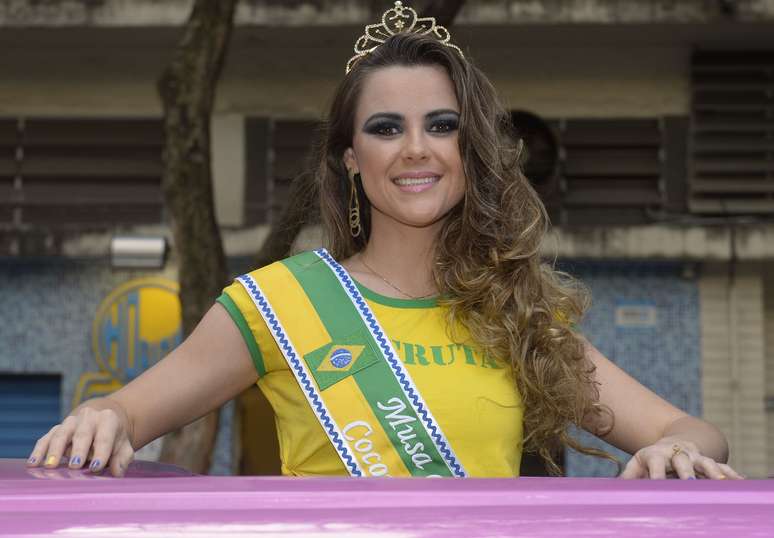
x: 97, y: 432
x: 188, y: 383
x: 676, y: 456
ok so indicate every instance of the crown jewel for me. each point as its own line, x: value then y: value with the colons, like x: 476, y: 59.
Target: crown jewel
x: 399, y: 19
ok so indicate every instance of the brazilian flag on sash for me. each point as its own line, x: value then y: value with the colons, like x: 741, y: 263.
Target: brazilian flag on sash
x: 348, y: 370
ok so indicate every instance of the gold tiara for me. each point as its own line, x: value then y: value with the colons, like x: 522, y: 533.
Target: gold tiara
x: 399, y: 19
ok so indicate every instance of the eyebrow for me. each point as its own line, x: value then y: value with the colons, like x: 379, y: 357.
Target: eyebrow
x: 399, y: 117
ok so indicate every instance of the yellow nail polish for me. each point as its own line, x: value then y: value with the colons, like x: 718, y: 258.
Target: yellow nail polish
x: 51, y: 460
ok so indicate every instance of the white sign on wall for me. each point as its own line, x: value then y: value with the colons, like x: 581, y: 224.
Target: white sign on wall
x: 636, y: 315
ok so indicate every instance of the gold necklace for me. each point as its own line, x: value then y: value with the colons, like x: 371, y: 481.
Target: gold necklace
x: 390, y: 284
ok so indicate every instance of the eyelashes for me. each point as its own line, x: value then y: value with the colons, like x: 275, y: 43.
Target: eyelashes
x: 383, y: 128
x: 392, y: 128
x: 444, y: 125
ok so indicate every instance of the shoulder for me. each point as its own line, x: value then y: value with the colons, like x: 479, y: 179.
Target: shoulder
x: 308, y: 268
x: 298, y: 262
x: 257, y: 293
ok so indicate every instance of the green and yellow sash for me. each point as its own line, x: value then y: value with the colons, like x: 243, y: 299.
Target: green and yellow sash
x: 348, y: 370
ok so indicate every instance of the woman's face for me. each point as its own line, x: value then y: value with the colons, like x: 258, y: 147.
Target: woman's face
x: 405, y: 146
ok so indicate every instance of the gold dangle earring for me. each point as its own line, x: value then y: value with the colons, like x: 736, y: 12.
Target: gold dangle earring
x: 354, y: 206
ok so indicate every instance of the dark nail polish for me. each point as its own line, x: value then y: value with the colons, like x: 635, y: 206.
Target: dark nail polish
x: 94, y: 465
x: 32, y: 459
x: 75, y: 460
x: 691, y: 478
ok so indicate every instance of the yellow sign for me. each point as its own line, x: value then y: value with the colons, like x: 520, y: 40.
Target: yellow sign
x: 135, y: 327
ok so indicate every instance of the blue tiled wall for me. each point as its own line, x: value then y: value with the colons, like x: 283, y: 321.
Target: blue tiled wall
x: 47, y: 307
x: 665, y: 358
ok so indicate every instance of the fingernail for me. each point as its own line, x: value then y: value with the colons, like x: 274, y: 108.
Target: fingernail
x: 51, y: 460
x: 75, y: 460
x: 691, y: 478
x: 94, y: 465
x: 32, y: 460
x: 722, y: 477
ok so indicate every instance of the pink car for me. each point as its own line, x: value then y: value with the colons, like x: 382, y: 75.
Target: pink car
x: 163, y: 500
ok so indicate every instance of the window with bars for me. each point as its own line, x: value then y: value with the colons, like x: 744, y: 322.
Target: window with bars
x: 278, y: 150
x: 8, y: 167
x: 79, y: 173
x: 29, y: 407
x: 732, y: 132
x: 611, y: 171
x: 100, y: 172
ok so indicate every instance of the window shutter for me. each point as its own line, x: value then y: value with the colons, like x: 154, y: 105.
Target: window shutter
x: 611, y: 170
x: 732, y: 133
x: 542, y: 154
x: 278, y: 150
x: 293, y: 140
x: 91, y: 172
x: 29, y: 407
x: 258, y: 141
x: 8, y: 168
x: 675, y: 163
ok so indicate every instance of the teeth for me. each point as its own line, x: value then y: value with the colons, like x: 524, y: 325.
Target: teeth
x: 415, y: 180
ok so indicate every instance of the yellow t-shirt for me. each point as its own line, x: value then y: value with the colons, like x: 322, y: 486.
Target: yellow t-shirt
x: 472, y: 397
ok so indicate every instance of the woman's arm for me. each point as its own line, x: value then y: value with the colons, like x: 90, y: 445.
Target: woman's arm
x: 211, y: 366
x: 653, y: 429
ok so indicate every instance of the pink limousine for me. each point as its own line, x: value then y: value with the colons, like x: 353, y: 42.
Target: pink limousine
x: 161, y: 500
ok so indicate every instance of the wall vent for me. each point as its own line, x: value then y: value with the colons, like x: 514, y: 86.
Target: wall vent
x: 731, y: 147
x: 80, y: 173
x: 611, y: 170
x: 278, y: 150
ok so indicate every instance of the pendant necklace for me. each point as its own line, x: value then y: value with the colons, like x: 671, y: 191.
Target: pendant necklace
x: 390, y: 284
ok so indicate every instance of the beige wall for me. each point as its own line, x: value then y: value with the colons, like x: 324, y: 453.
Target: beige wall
x: 592, y: 81
x: 552, y: 82
x: 768, y: 303
x: 228, y: 168
x: 57, y: 72
x: 281, y: 12
x: 732, y: 324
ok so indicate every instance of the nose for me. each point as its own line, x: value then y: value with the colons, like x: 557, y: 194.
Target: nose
x: 415, y: 145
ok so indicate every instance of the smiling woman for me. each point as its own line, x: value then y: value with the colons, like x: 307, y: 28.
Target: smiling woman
x: 431, y: 340
x: 405, y: 147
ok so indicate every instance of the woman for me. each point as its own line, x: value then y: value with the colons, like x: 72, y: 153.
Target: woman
x: 440, y: 345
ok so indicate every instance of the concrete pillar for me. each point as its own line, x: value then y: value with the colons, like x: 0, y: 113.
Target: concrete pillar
x: 733, y: 381
x: 768, y: 312
x: 228, y: 168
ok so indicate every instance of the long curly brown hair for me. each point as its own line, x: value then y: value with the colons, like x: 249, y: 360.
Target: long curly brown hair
x: 488, y: 267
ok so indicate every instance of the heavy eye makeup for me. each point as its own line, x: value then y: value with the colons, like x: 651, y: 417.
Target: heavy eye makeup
x: 388, y: 125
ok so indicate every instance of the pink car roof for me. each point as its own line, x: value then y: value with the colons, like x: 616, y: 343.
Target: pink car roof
x: 161, y: 500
